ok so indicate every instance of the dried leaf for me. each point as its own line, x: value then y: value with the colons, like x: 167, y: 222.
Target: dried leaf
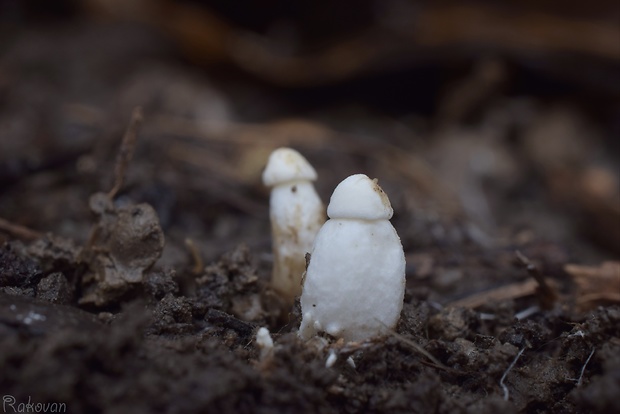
x: 595, y: 285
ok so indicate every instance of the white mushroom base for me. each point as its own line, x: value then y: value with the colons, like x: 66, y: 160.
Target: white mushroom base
x: 355, y: 283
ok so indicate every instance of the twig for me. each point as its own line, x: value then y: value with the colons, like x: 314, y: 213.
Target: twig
x: 421, y: 351
x: 501, y: 381
x: 125, y: 153
x: 195, y: 253
x: 583, y: 369
x: 502, y: 293
x: 545, y: 290
x: 546, y: 293
x: 18, y: 231
x: 514, y: 32
x: 527, y: 312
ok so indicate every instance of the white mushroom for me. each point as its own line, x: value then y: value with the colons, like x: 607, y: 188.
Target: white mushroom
x: 296, y: 214
x: 355, y: 282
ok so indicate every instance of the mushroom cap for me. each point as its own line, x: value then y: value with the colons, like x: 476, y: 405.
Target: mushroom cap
x: 285, y: 165
x: 359, y: 197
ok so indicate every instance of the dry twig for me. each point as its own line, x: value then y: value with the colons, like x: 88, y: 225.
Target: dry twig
x: 19, y: 231
x: 502, y: 293
x: 126, y: 151
x: 195, y: 253
x: 422, y: 351
x: 546, y: 294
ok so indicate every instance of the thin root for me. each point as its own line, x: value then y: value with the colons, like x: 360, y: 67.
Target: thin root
x: 501, y: 381
x: 583, y: 369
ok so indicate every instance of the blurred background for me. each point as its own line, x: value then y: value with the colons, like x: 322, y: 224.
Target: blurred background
x: 489, y: 125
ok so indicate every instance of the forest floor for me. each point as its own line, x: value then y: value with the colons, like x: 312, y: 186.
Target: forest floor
x: 137, y: 284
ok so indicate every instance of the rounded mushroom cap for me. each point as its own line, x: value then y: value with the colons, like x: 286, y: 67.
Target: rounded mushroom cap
x: 285, y: 165
x: 359, y: 197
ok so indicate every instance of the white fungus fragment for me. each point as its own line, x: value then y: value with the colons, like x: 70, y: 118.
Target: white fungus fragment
x: 355, y: 282
x: 30, y: 317
x: 331, y: 359
x: 296, y: 214
x: 264, y: 342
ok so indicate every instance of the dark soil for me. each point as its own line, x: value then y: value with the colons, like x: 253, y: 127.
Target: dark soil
x: 138, y: 285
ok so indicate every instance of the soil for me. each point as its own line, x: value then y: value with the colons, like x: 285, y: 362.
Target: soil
x: 134, y: 272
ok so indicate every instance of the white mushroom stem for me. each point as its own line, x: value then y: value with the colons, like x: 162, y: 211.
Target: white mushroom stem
x: 296, y: 214
x: 355, y: 282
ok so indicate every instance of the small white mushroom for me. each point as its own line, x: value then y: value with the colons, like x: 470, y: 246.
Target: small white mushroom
x: 355, y: 282
x: 296, y: 214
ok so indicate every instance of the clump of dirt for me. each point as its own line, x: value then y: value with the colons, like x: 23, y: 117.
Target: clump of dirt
x: 231, y: 285
x: 17, y: 272
x: 125, y: 242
